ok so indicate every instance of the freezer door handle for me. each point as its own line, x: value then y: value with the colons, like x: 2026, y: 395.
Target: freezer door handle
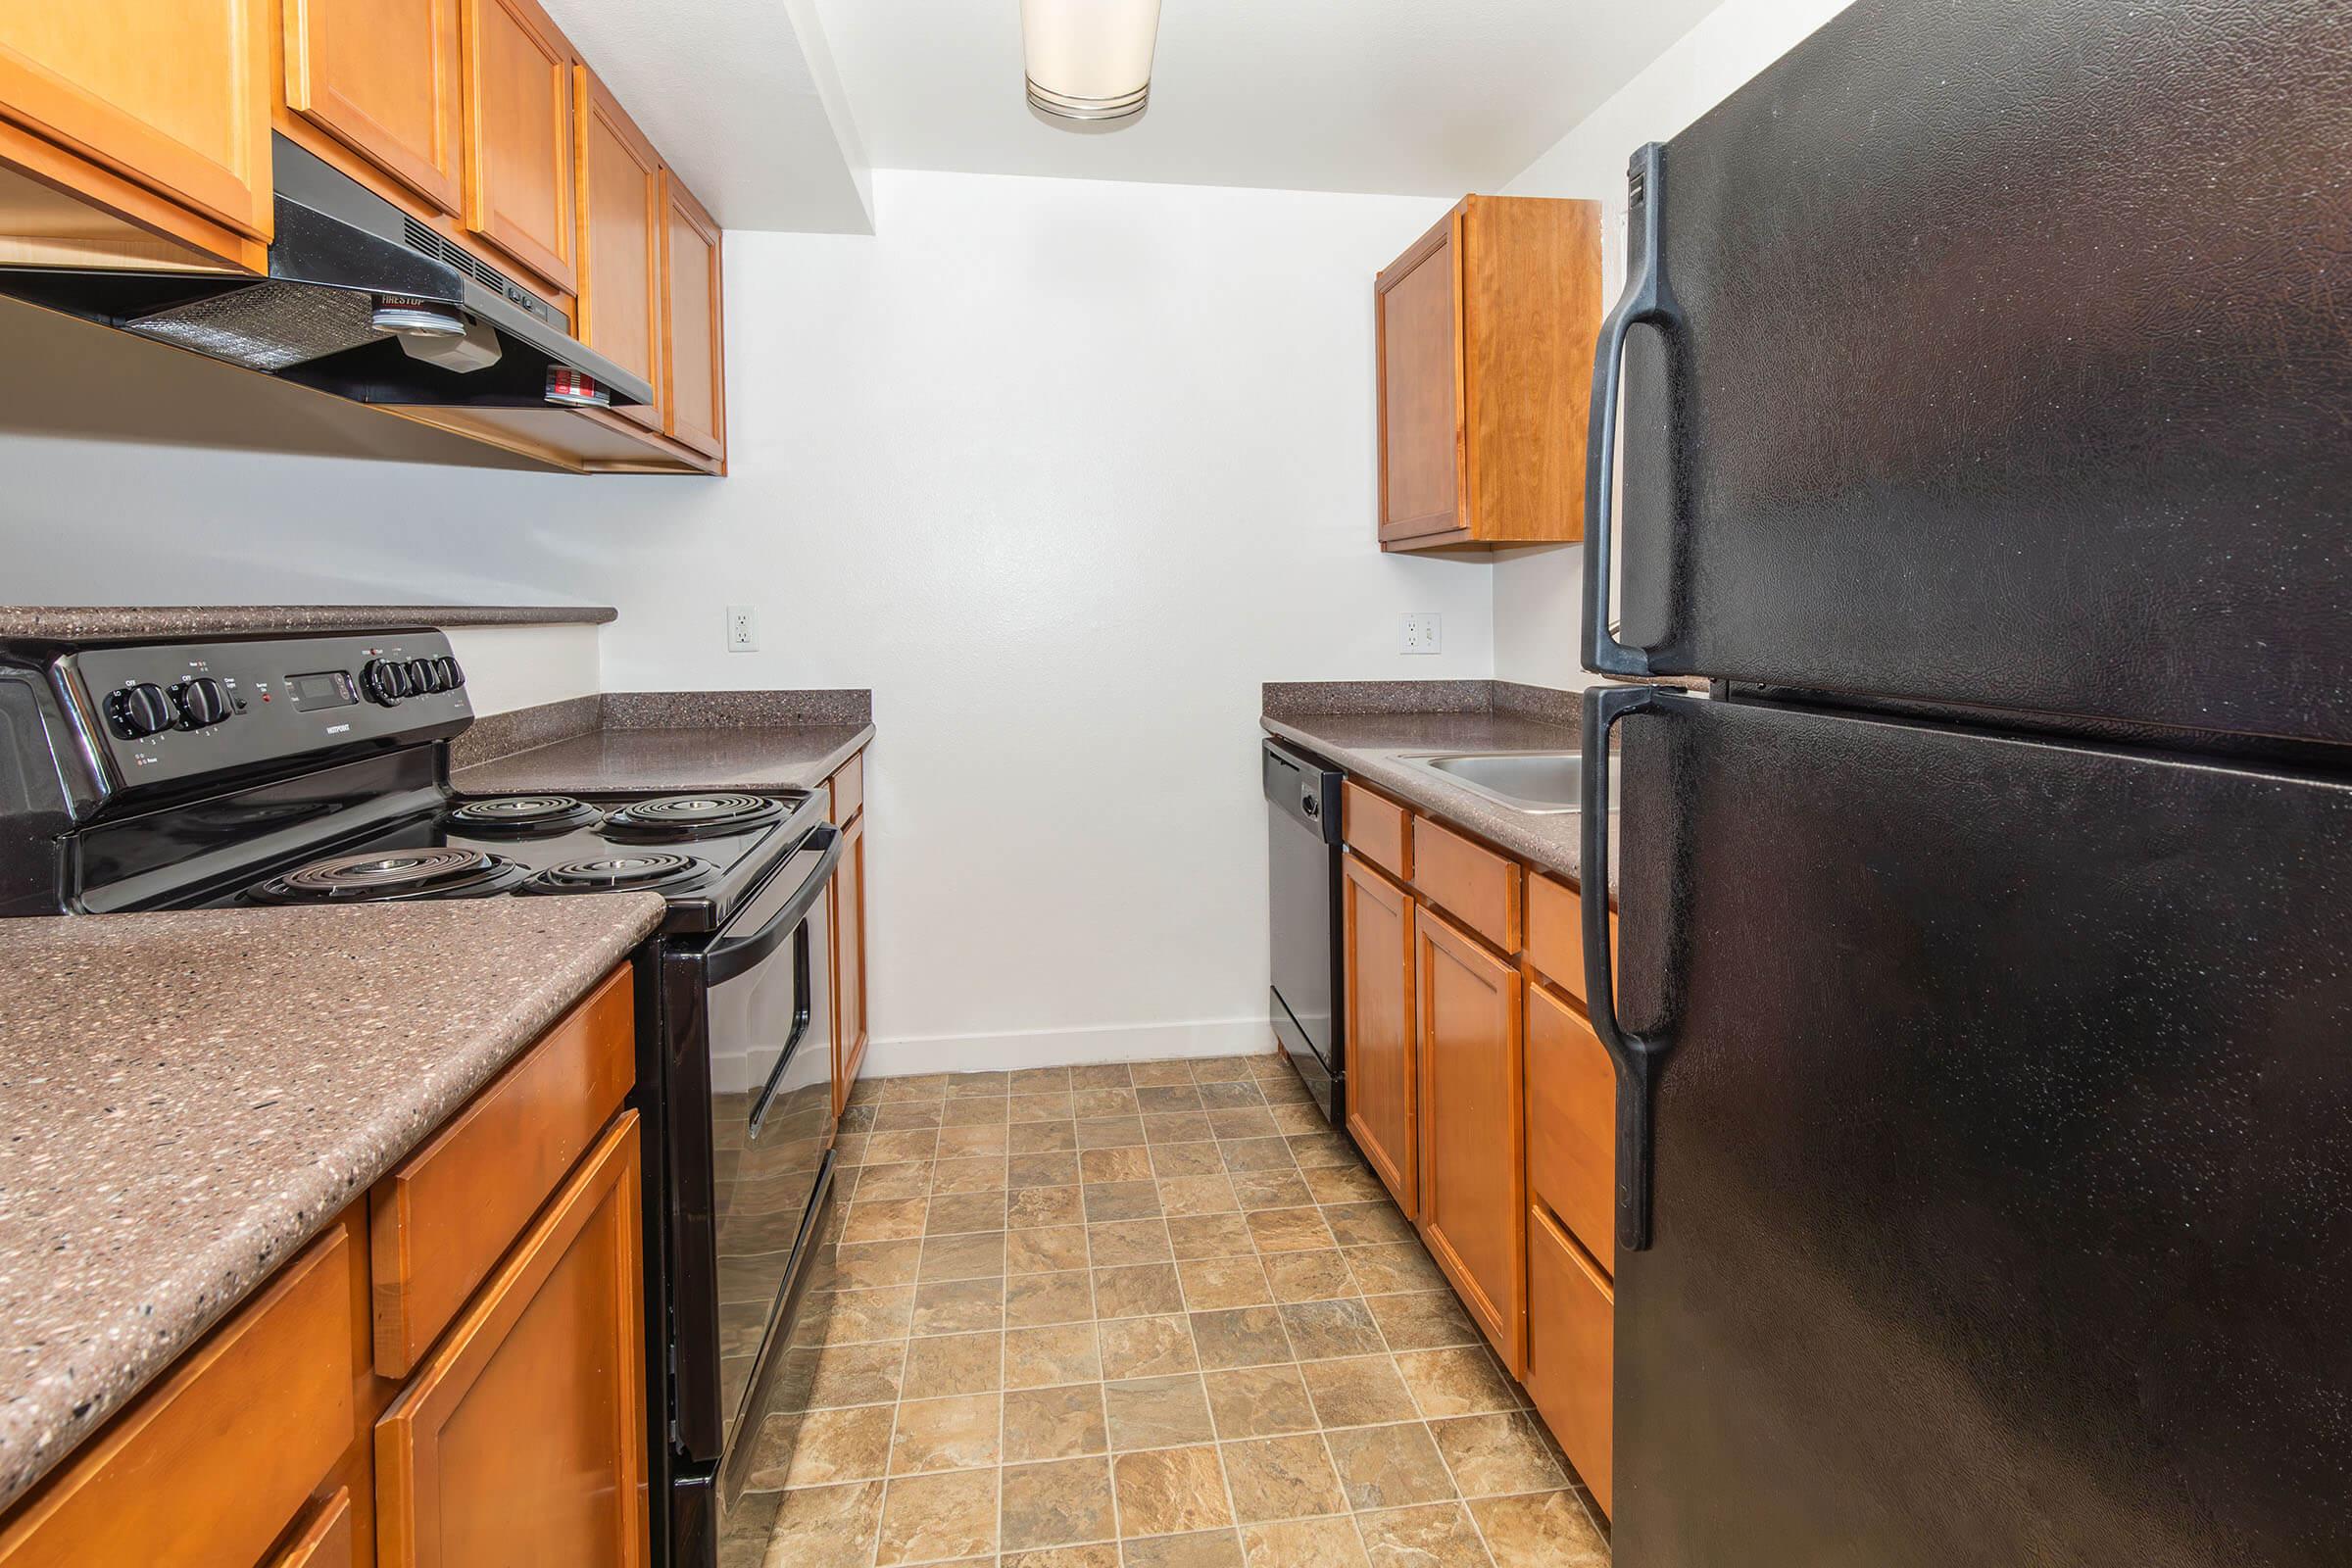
x: 1638, y: 1057
x: 1648, y: 301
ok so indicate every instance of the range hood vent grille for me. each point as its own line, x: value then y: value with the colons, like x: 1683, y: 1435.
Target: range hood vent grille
x: 441, y: 249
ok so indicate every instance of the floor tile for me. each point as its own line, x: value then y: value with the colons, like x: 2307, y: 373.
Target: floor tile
x: 979, y: 1174
x: 1246, y: 1335
x: 1102, y: 1556
x: 1544, y: 1529
x: 1302, y: 1544
x: 1115, y: 1200
x: 1040, y: 1138
x: 1147, y: 1347
x: 1343, y: 1183
x: 1423, y: 1322
x: 1035, y: 1207
x: 964, y: 1212
x: 1211, y: 1236
x: 1173, y: 1071
x: 1038, y: 1359
x: 1319, y: 1275
x: 1141, y: 1289
x: 1062, y: 1502
x: 972, y: 1113
x: 1367, y: 1224
x: 1205, y: 1549
x: 1280, y: 1478
x: 1046, y: 1250
x: 954, y: 1363
x: 840, y: 1375
x: 1288, y: 1230
x: 1128, y: 1165
x: 1490, y: 1455
x: 827, y: 1527
x: 822, y: 1447
x: 1260, y: 1402
x: 849, y: 1317
x: 1212, y: 1283
x: 968, y: 1085
x: 1248, y: 1122
x: 1161, y: 1412
x: 1057, y: 1169
x: 951, y: 1434
x: 962, y: 1257
x: 1394, y: 1268
x: 1155, y: 1098
x: 1362, y: 1391
x: 1121, y: 1244
x: 1036, y: 1080
x: 1031, y: 1300
x: 1057, y: 1423
x: 1108, y: 1075
x: 1110, y: 1132
x: 1197, y: 1195
x: 879, y: 1183
x: 929, y: 1519
x: 1436, y: 1537
x: 1177, y: 1127
x: 1049, y: 1106
x: 1167, y: 1492
x: 1459, y: 1381
x: 964, y: 1142
x: 1322, y: 1330
x: 886, y: 1220
x: 1091, y: 1104
x: 1170, y: 1160
x: 1389, y: 1467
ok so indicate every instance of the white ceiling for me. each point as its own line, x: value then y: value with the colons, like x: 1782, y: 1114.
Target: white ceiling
x: 774, y: 110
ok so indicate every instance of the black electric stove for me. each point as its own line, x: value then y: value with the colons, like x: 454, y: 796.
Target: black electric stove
x: 314, y: 770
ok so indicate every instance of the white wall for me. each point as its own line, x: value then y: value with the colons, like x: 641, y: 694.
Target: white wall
x: 1062, y: 470
x: 1537, y: 616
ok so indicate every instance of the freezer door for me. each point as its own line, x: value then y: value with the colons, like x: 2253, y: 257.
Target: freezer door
x: 2006, y: 363
x: 2003, y: 1187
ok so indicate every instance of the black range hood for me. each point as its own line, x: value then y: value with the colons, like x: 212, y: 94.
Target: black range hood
x: 361, y: 300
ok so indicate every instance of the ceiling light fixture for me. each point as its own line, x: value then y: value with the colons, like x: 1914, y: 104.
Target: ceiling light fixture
x: 1088, y: 62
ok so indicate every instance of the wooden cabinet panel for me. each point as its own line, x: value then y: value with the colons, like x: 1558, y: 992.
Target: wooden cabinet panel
x: 522, y: 1439
x: 1473, y: 1119
x: 519, y: 136
x: 327, y: 1540
x: 851, y: 1031
x: 441, y: 1221
x: 1572, y: 1122
x: 1555, y: 933
x: 1571, y: 1344
x: 620, y: 241
x: 1417, y: 321
x: 174, y: 94
x: 1470, y: 882
x: 382, y: 76
x: 696, y: 383
x: 213, y: 1464
x: 1378, y: 829
x: 849, y: 789
x: 1383, y: 1088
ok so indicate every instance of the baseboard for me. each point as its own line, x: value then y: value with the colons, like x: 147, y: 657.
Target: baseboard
x: 1067, y: 1048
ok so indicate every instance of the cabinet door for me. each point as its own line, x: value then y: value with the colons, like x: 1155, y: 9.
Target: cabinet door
x: 1473, y: 1109
x: 1571, y: 1340
x: 382, y: 77
x: 620, y: 241
x: 851, y: 1032
x: 690, y: 277
x: 519, y: 164
x: 1572, y: 1122
x: 174, y: 94
x: 521, y: 1440
x: 1418, y: 320
x: 1377, y: 926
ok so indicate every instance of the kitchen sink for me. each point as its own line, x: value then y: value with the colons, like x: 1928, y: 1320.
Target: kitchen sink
x: 1539, y: 783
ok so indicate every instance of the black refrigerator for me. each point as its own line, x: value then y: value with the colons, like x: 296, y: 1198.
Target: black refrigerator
x: 1984, y: 1008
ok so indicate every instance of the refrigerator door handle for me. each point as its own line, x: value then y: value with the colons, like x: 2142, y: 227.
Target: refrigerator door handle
x: 1648, y: 301
x: 1638, y: 1057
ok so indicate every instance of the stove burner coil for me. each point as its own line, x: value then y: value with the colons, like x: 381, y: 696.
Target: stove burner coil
x: 612, y: 873
x: 688, y: 815
x: 391, y: 874
x: 523, y: 814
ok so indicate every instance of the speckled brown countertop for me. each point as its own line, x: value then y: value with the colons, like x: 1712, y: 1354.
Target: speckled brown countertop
x: 751, y: 740
x: 1376, y: 725
x: 186, y: 1099
x: 237, y: 620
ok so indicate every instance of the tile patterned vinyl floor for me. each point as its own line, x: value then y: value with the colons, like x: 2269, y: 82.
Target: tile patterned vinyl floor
x: 1147, y: 1316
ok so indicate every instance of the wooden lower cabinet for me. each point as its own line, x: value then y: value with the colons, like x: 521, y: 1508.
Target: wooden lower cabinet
x: 1572, y: 1121
x: 1382, y: 1094
x: 1570, y: 1337
x: 1471, y: 1047
x: 850, y: 1030
x: 523, y: 1436
x: 326, y: 1541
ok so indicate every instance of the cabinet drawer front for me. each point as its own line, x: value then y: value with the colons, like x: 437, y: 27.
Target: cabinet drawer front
x: 1470, y: 882
x: 1571, y: 1122
x: 1570, y: 1337
x: 442, y: 1220
x: 849, y: 790
x: 1377, y: 829
x: 215, y: 1462
x: 1555, y: 933
x: 327, y: 1542
x: 521, y: 1439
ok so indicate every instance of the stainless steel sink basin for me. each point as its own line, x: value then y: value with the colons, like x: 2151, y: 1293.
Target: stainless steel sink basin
x: 1539, y: 783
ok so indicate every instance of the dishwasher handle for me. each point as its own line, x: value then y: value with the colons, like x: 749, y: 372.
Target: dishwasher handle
x: 1304, y: 788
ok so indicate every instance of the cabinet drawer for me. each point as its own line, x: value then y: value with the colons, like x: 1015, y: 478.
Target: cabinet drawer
x: 444, y: 1218
x: 849, y: 790
x: 1470, y: 882
x: 327, y: 1543
x: 1570, y: 1337
x: 1555, y: 933
x: 213, y: 1464
x: 1378, y: 829
x: 1571, y: 1122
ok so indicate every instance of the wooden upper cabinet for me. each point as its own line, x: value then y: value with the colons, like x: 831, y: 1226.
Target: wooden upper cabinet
x: 1486, y: 330
x: 622, y: 214
x: 382, y: 77
x: 172, y: 94
x: 1376, y: 918
x: 518, y: 138
x: 1473, y: 1119
x: 696, y: 382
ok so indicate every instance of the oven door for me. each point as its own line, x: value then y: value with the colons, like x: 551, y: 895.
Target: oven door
x: 751, y: 1118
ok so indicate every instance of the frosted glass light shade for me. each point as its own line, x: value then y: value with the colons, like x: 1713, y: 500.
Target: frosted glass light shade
x: 1089, y: 59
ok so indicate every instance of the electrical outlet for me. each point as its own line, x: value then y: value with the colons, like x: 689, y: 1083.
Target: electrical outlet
x: 1424, y: 633
x: 742, y: 629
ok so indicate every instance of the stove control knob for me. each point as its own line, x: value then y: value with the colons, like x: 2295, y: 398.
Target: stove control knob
x: 200, y: 701
x: 384, y: 680
x: 423, y: 677
x: 452, y: 675
x: 139, y: 710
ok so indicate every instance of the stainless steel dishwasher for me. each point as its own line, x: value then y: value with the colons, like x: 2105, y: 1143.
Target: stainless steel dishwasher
x: 1302, y: 864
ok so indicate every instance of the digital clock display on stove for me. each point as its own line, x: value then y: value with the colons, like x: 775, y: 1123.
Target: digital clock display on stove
x: 326, y: 688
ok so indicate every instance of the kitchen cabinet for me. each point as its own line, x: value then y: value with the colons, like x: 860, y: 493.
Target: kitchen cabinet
x: 1486, y: 328
x: 519, y: 136
x: 1572, y: 1331
x: 327, y: 1540
x: 1572, y: 1121
x: 1470, y: 1046
x: 852, y: 1030
x: 621, y: 216
x: 382, y: 76
x: 695, y: 376
x: 522, y: 1438
x: 1375, y: 925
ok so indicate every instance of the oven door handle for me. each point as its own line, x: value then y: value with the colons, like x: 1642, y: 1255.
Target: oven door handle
x: 726, y: 959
